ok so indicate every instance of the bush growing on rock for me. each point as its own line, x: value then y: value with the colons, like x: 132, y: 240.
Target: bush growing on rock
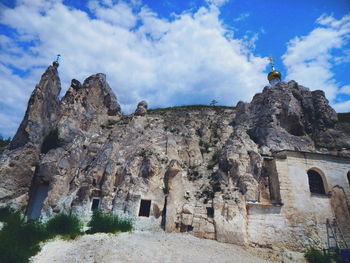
x: 51, y: 141
x: 66, y: 225
x: 105, y: 223
x: 313, y: 255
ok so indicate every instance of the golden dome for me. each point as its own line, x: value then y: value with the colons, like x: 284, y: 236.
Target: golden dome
x: 55, y: 64
x: 274, y: 74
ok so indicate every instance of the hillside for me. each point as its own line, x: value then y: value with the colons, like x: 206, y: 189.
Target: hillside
x: 215, y: 172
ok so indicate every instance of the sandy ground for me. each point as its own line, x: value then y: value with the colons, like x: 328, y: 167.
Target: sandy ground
x: 142, y: 247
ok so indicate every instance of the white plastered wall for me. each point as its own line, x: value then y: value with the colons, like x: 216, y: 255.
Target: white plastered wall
x: 301, y: 220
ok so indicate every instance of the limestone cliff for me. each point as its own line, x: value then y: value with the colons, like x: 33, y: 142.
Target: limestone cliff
x: 199, y: 165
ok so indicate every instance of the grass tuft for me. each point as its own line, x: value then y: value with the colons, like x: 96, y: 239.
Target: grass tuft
x: 19, y: 237
x: 106, y: 223
x: 68, y: 226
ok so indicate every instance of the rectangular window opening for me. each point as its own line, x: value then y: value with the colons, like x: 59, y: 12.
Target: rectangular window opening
x: 95, y: 204
x: 145, y: 207
x: 210, y: 212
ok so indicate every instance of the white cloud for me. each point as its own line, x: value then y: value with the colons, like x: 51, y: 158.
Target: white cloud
x: 119, y: 14
x: 186, y: 60
x: 8, y: 124
x: 241, y: 17
x: 309, y: 59
x: 217, y: 3
x: 342, y: 106
x: 345, y: 90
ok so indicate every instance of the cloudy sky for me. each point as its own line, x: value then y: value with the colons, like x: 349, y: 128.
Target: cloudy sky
x: 173, y: 52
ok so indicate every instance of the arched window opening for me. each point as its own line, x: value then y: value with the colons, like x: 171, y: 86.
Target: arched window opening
x: 315, y: 182
x: 349, y: 177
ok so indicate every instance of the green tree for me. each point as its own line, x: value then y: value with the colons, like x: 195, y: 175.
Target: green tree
x: 213, y: 102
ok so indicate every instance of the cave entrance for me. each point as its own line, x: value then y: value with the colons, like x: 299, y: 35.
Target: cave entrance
x: 36, y: 200
x: 95, y: 204
x: 162, y: 223
x: 145, y: 207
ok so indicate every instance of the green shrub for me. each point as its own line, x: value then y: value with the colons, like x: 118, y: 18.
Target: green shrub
x: 313, y: 255
x: 193, y: 175
x: 204, y: 146
x: 165, y: 189
x: 19, y: 238
x: 214, y: 160
x: 252, y: 136
x: 5, y: 213
x: 105, y: 223
x: 190, y: 107
x: 51, y: 141
x: 3, y: 143
x: 65, y: 225
x: 344, y: 117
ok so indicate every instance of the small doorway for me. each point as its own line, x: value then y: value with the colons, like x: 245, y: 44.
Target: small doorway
x: 95, y: 204
x: 145, y: 207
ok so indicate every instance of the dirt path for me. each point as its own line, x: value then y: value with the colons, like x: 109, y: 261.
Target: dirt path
x: 142, y: 247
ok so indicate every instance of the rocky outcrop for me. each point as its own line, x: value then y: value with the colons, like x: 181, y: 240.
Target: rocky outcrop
x: 41, y: 113
x: 196, y: 166
x: 141, y: 109
x: 290, y: 116
x: 84, y: 108
x: 78, y: 116
x: 19, y: 164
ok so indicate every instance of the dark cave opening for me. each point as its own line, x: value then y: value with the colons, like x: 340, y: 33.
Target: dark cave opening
x: 145, y: 207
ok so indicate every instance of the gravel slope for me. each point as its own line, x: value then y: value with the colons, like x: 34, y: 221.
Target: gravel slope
x: 142, y: 247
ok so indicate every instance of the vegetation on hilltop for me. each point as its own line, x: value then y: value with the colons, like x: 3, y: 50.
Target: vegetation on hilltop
x: 190, y: 107
x: 344, y: 117
x: 4, y: 143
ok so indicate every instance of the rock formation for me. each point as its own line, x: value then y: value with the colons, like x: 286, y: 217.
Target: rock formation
x: 199, y: 165
x: 141, y: 109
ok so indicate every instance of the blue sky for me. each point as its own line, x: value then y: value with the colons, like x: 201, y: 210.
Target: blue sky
x: 173, y: 52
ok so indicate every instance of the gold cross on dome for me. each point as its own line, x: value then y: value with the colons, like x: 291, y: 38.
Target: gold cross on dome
x: 271, y: 62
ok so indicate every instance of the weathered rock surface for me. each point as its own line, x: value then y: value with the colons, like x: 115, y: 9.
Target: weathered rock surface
x: 141, y: 109
x: 41, y: 114
x: 84, y: 108
x: 198, y: 165
x: 290, y: 116
x: 18, y: 164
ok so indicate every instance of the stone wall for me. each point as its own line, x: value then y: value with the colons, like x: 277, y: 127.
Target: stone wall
x: 301, y: 220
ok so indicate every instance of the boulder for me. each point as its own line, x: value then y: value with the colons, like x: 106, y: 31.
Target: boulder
x: 141, y: 109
